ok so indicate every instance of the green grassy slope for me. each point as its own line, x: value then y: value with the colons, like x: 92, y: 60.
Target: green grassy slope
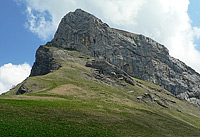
x: 72, y: 102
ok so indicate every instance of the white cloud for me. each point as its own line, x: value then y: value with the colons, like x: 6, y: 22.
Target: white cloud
x: 166, y: 21
x: 11, y: 75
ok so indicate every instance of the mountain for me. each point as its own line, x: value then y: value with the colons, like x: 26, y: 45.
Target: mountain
x: 93, y: 80
x: 87, y: 97
x: 139, y: 56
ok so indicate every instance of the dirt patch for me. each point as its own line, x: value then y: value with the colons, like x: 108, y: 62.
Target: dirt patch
x: 68, y: 90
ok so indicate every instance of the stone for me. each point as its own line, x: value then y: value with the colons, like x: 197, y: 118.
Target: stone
x: 106, y: 68
x: 137, y: 55
x: 23, y: 89
x: 44, y: 63
x: 161, y: 104
x: 146, y: 95
x: 159, y: 101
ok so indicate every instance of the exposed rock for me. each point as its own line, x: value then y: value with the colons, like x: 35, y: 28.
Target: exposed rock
x: 161, y: 104
x: 44, y: 63
x: 23, y: 89
x: 179, y: 110
x: 194, y: 101
x: 106, y: 79
x: 132, y: 91
x: 137, y: 55
x: 183, y: 96
x: 147, y: 96
x: 108, y: 69
x: 159, y: 90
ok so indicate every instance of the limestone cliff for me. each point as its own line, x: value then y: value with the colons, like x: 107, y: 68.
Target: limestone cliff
x: 137, y: 55
x: 44, y: 62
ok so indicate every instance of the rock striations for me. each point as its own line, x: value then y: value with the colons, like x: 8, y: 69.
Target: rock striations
x: 44, y: 63
x: 137, y: 55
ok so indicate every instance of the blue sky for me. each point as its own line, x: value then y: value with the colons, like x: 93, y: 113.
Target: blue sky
x: 194, y: 14
x: 27, y: 24
x: 18, y: 44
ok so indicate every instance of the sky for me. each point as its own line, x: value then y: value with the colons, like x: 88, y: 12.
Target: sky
x: 27, y: 24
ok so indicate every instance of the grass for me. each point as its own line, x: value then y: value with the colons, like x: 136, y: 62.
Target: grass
x: 74, y: 118
x: 67, y: 103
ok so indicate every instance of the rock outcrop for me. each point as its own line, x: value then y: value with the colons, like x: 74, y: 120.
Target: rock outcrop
x: 137, y: 55
x: 44, y: 62
x: 150, y: 97
x: 106, y: 68
x: 23, y: 89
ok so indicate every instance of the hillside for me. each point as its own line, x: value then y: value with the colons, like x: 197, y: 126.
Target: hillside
x: 137, y: 55
x: 76, y: 100
x: 93, y: 80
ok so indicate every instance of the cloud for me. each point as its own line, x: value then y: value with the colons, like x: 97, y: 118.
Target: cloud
x: 166, y: 21
x: 11, y: 75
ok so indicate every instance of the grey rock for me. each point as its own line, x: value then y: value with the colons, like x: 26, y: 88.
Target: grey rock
x: 137, y: 55
x: 145, y: 96
x: 44, y: 63
x: 140, y: 97
x: 96, y: 76
x: 108, y: 69
x: 183, y: 96
x: 160, y: 100
x: 161, y: 104
x: 132, y: 91
x: 23, y: 89
x: 194, y: 101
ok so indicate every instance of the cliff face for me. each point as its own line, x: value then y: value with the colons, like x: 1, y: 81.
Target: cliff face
x: 44, y: 62
x: 137, y: 55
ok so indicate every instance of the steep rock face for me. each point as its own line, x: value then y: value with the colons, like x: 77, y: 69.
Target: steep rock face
x: 44, y: 62
x: 137, y: 55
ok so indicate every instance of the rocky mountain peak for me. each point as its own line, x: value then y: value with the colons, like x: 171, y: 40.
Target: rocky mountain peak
x: 137, y: 55
x: 75, y: 23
